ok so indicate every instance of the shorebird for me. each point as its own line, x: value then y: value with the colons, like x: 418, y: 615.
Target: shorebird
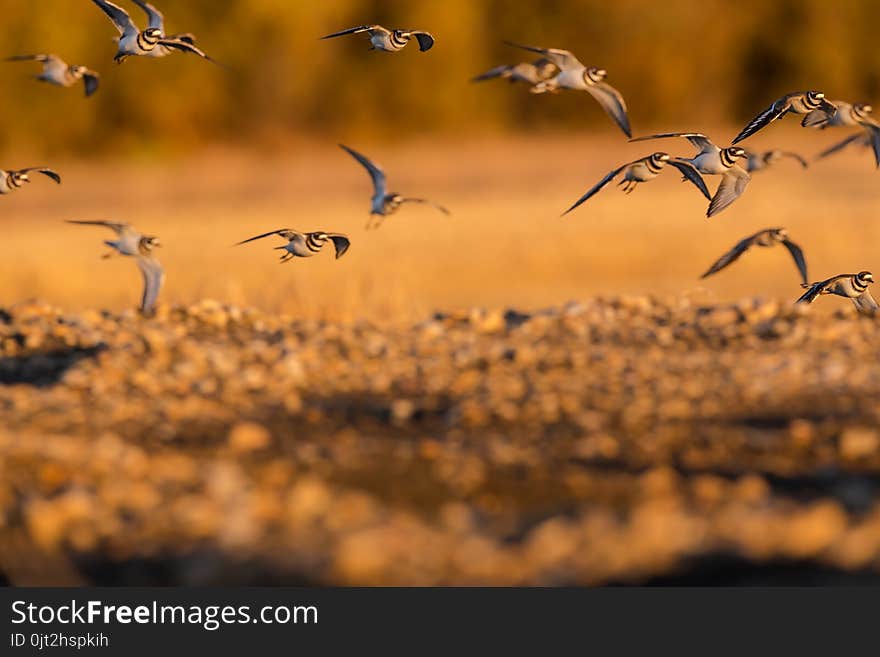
x: 531, y: 73
x: 157, y: 21
x: 131, y: 243
x: 643, y: 170
x: 305, y: 245
x: 384, y: 203
x: 714, y: 161
x: 12, y: 180
x: 57, y: 72
x: 768, y: 237
x: 801, y: 102
x: 136, y: 43
x: 758, y: 161
x: 574, y: 75
x: 851, y: 286
x: 386, y: 40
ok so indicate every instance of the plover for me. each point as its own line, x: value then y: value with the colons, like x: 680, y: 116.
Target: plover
x: 758, y: 161
x: 801, y: 102
x: 157, y: 20
x: 714, y: 161
x: 57, y: 72
x: 767, y: 237
x: 136, y: 43
x: 305, y: 245
x: 531, y: 73
x: 851, y: 286
x: 574, y: 75
x: 384, y: 203
x: 13, y: 180
x: 134, y: 244
x: 386, y: 40
x: 643, y: 170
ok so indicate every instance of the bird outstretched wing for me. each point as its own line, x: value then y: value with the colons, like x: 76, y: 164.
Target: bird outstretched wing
x: 286, y: 233
x: 118, y: 16
x: 797, y: 255
x: 599, y: 186
x: 157, y: 20
x: 375, y: 171
x: 697, y: 139
x: 689, y: 171
x: 562, y: 58
x: 154, y: 276
x: 731, y: 256
x: 612, y: 102
x: 733, y: 184
x: 357, y: 30
x: 340, y: 242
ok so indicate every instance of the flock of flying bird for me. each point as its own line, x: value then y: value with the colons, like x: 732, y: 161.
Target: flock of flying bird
x: 555, y: 70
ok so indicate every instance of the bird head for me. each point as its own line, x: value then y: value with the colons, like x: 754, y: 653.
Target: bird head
x: 865, y: 277
x: 20, y: 177
x: 779, y: 234
x: 78, y: 71
x: 152, y: 34
x: 815, y: 96
x: 594, y: 74
x: 862, y: 109
x: 735, y: 153
x: 148, y: 243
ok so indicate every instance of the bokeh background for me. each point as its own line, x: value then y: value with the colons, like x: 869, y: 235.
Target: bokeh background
x: 204, y: 156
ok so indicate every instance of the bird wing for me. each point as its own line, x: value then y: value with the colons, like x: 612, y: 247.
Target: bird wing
x: 696, y: 139
x: 49, y: 173
x: 731, y: 256
x: 43, y: 59
x: 798, y: 255
x: 157, y: 20
x: 425, y: 201
x: 733, y: 184
x: 186, y: 46
x: 866, y: 304
x: 154, y: 276
x: 562, y: 58
x: 286, y: 233
x: 858, y: 137
x: 115, y: 226
x: 425, y: 39
x: 91, y: 80
x: 119, y: 16
x: 598, y: 187
x: 874, y: 137
x: 818, y: 118
x: 340, y: 242
x: 503, y: 71
x: 357, y: 30
x: 765, y: 118
x: 813, y: 291
x: 612, y: 102
x: 375, y: 171
x: 690, y: 172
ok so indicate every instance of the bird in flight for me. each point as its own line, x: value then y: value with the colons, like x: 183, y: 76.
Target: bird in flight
x: 574, y: 75
x: 383, y: 202
x: 643, y: 170
x: 850, y: 286
x: 760, y: 160
x: 157, y: 21
x: 305, y: 245
x: 764, y: 238
x: 134, y: 244
x: 386, y: 40
x: 13, y: 180
x: 56, y: 71
x: 136, y: 43
x: 714, y: 161
x: 849, y: 115
x: 801, y: 102
x: 531, y: 73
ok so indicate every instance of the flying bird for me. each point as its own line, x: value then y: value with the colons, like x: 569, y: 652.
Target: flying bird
x: 758, y: 161
x: 157, y: 21
x: 764, y: 238
x: 136, y: 43
x: 714, y: 161
x: 574, y: 75
x: 57, y: 72
x: 12, y: 180
x: 532, y: 73
x: 802, y: 102
x: 642, y: 171
x: 387, y: 40
x: 851, y: 286
x: 845, y: 115
x: 131, y: 243
x: 384, y: 203
x: 305, y: 245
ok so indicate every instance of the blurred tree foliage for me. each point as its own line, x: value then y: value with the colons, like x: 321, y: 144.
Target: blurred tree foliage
x: 680, y: 64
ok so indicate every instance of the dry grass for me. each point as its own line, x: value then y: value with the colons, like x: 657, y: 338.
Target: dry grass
x: 504, y: 246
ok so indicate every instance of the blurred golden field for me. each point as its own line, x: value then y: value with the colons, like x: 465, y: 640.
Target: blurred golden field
x: 504, y: 245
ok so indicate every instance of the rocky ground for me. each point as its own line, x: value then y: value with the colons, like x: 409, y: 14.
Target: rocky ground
x: 614, y: 441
